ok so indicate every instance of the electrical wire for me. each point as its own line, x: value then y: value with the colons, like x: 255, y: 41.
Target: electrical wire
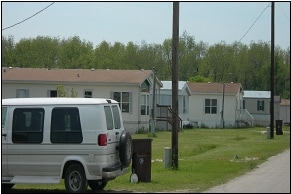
x: 254, y: 23
x: 28, y: 17
x: 288, y: 18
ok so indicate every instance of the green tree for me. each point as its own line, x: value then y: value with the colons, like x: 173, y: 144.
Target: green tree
x: 41, y: 52
x: 258, y: 67
x: 102, y: 56
x: 7, y: 51
x: 131, y: 57
x: 62, y: 92
x: 199, y: 79
x: 73, y: 53
x: 221, y: 62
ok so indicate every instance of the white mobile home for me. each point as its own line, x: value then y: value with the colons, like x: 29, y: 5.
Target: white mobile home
x: 133, y: 89
x: 218, y: 105
x: 285, y: 111
x: 258, y: 104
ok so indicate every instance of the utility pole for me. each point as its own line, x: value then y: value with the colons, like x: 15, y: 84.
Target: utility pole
x: 175, y: 49
x: 153, y: 127
x: 222, y: 111
x: 272, y: 72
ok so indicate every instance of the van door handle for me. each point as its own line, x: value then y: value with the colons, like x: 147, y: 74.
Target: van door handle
x: 4, y: 135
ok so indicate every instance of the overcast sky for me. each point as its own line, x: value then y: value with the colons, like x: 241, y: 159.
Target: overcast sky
x: 210, y: 22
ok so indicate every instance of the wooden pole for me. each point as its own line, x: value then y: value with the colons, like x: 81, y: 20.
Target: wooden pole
x: 175, y: 49
x: 272, y: 73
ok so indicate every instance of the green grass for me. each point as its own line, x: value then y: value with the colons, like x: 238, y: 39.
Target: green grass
x: 206, y: 158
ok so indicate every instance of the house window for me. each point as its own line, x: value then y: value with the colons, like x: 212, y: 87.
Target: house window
x: 27, y: 126
x: 88, y: 94
x: 66, y: 126
x: 22, y: 93
x: 124, y: 99
x: 53, y: 93
x: 210, y: 106
x: 260, y: 105
x: 144, y: 104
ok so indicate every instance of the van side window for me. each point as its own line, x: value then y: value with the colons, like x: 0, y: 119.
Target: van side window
x: 27, y: 126
x: 66, y: 126
x: 116, y: 116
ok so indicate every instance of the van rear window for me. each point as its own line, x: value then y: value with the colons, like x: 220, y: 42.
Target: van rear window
x: 27, y: 126
x: 66, y: 125
x: 116, y: 115
x: 109, y: 119
x: 112, y: 117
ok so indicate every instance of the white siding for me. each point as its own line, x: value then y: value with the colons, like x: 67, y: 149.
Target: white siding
x: 197, y: 115
x: 132, y: 121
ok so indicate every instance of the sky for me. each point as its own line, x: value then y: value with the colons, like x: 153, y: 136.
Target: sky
x: 150, y: 22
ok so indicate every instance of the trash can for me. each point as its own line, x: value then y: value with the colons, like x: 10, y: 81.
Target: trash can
x: 279, y: 124
x: 142, y: 158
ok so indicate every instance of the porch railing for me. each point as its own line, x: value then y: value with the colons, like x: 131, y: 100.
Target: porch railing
x: 243, y: 116
x: 165, y: 114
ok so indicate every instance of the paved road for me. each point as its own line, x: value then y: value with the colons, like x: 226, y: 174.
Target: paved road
x: 272, y: 176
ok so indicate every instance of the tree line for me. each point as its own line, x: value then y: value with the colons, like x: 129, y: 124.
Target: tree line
x: 249, y: 65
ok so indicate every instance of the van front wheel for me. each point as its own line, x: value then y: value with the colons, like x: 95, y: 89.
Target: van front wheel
x: 75, y: 179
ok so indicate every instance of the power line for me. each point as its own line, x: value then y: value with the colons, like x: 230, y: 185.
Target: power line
x: 288, y: 18
x: 28, y: 17
x: 253, y: 23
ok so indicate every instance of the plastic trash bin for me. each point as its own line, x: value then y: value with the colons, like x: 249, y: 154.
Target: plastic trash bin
x: 279, y: 124
x: 141, y: 159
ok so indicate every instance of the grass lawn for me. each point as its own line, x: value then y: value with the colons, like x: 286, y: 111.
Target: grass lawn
x: 206, y: 158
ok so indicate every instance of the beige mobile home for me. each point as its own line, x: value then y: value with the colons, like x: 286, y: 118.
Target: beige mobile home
x: 133, y: 89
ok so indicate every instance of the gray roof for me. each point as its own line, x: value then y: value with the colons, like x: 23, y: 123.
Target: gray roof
x: 167, y: 85
x: 257, y: 94
x: 182, y: 87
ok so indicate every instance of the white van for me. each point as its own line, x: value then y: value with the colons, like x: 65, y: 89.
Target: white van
x: 80, y: 140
